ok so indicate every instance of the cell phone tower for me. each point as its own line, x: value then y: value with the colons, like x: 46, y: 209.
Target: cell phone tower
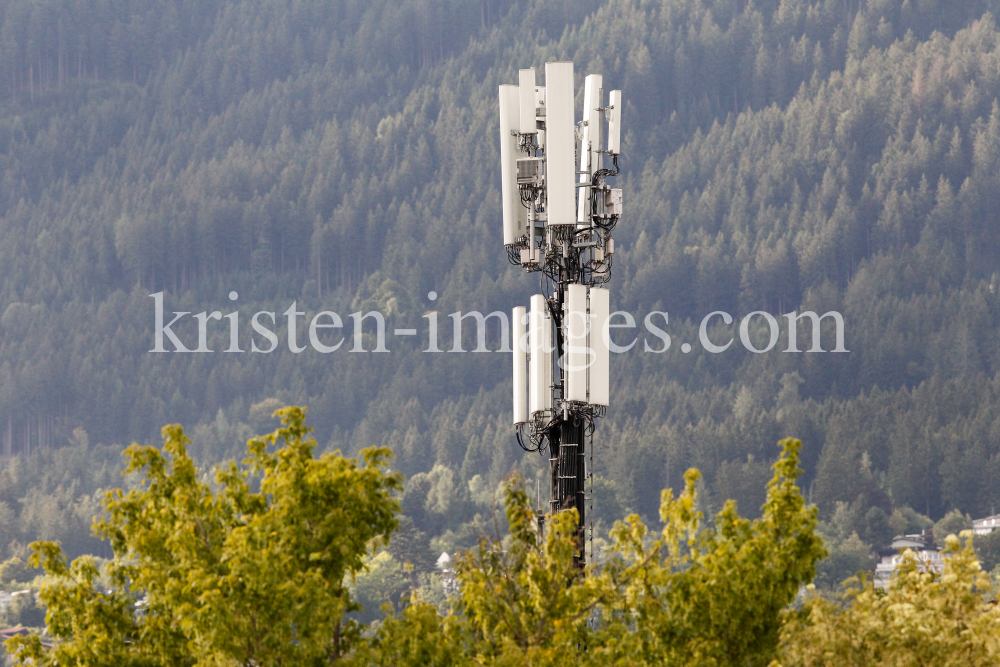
x: 558, y: 215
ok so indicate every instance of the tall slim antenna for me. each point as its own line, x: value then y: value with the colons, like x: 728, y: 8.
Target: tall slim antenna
x: 558, y: 215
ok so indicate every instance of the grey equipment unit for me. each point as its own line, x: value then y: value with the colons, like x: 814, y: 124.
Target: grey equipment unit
x: 530, y: 171
x: 612, y: 202
x: 559, y: 225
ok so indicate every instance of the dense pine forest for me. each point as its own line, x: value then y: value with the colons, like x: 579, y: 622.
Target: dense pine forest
x: 778, y: 156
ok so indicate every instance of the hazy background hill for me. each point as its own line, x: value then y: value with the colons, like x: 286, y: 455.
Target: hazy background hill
x: 838, y: 155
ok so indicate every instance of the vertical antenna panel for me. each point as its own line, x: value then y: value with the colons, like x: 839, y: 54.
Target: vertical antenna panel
x: 576, y: 355
x: 615, y: 123
x: 590, y: 151
x: 560, y: 143
x: 520, y: 366
x: 600, y: 370
x: 514, y: 215
x: 526, y: 100
x: 540, y: 349
x: 548, y: 347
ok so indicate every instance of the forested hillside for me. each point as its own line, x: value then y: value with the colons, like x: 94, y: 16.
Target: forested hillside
x: 779, y: 156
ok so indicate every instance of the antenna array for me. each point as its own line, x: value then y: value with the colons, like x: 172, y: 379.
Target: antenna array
x: 558, y: 215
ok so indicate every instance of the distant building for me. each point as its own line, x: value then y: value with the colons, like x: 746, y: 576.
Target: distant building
x: 987, y: 525
x: 921, y: 544
x: 7, y: 598
x: 448, y: 579
x: 19, y: 631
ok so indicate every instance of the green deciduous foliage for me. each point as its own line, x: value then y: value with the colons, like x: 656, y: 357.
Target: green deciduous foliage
x: 952, y: 523
x: 988, y: 549
x: 254, y: 570
x: 907, y: 521
x: 383, y: 581
x: 23, y: 610
x: 687, y: 595
x: 14, y: 571
x: 713, y: 596
x: 922, y: 618
x: 248, y: 571
x: 847, y: 558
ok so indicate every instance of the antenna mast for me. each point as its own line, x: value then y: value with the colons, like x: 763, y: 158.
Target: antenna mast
x: 558, y: 215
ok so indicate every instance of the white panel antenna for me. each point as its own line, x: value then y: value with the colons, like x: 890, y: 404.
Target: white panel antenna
x: 527, y: 100
x: 560, y: 144
x: 540, y: 359
x: 590, y: 149
x: 515, y: 216
x: 520, y: 320
x: 600, y: 371
x: 615, y: 123
x: 576, y: 356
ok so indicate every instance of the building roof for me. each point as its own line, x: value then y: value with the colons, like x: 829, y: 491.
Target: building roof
x: 918, y: 541
x: 19, y: 630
